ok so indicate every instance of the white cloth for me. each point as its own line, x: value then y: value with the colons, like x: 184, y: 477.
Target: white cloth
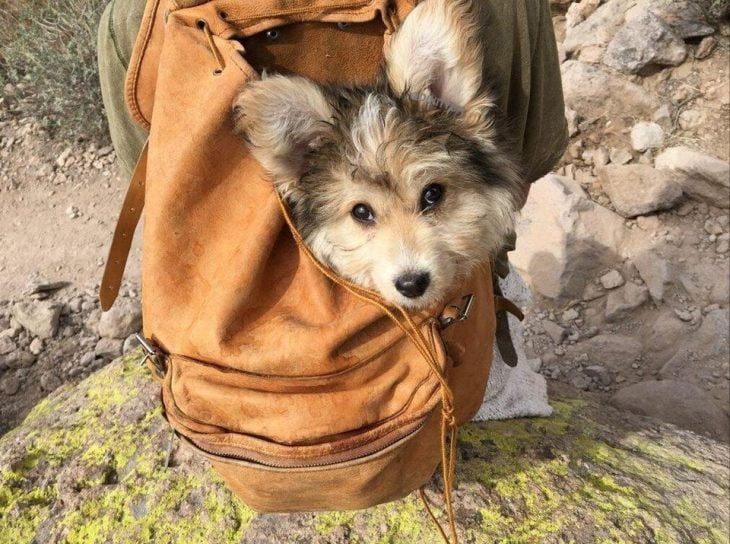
x: 519, y: 391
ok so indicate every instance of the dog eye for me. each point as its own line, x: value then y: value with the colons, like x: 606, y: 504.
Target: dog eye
x: 363, y: 213
x: 431, y: 195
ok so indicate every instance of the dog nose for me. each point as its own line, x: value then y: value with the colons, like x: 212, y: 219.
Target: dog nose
x: 413, y: 285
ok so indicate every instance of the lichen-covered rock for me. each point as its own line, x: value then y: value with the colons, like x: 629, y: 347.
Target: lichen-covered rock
x: 87, y: 466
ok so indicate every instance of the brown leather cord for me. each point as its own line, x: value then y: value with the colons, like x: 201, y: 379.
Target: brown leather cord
x: 427, y: 505
x: 203, y: 25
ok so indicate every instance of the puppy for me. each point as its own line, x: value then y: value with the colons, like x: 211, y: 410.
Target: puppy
x: 404, y: 186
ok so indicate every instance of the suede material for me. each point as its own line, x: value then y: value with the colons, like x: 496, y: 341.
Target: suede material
x: 268, y: 353
x: 386, y: 476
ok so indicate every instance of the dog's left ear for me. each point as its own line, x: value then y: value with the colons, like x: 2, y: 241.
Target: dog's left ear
x: 436, y: 54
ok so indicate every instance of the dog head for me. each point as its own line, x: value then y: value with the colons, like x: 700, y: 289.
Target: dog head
x: 402, y: 186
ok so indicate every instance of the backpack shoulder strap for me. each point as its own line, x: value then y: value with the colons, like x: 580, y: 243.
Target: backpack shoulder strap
x: 124, y: 233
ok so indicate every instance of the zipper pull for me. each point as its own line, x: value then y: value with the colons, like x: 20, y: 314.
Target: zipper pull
x: 153, y: 354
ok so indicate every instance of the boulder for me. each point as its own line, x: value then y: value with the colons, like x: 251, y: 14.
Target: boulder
x: 680, y: 403
x: 593, y: 92
x: 122, y: 320
x: 704, y: 356
x: 613, y: 351
x: 656, y: 271
x: 108, y: 348
x: 612, y: 279
x: 599, y: 27
x: 639, y: 189
x: 38, y: 317
x: 667, y: 333
x: 642, y: 42
x: 88, y: 465
x: 621, y: 302
x: 685, y: 17
x: 701, y: 176
x: 564, y: 239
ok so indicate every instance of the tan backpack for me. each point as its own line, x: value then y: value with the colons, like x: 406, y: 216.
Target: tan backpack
x: 304, y: 391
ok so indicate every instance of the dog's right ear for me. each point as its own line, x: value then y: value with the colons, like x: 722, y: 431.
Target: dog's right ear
x: 282, y: 118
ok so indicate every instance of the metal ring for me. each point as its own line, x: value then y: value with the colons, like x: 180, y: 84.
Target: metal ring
x: 273, y: 34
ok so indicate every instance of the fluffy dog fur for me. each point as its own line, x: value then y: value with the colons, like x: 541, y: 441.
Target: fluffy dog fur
x: 358, y: 165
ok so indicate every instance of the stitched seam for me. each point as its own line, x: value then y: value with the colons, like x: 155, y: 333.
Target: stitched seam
x: 131, y: 91
x: 349, y: 6
x: 113, y: 36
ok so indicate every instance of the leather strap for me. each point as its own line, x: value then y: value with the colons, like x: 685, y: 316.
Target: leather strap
x: 503, y: 336
x: 124, y: 233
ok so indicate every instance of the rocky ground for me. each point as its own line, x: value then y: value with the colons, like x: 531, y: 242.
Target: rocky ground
x: 626, y: 245
x: 58, y: 207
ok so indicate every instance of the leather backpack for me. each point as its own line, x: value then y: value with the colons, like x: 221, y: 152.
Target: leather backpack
x: 304, y: 391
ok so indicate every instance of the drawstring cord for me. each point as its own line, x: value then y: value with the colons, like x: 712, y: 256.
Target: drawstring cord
x: 203, y: 25
x: 408, y: 326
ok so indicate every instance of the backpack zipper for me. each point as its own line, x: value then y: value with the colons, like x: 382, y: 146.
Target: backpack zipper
x: 240, y: 455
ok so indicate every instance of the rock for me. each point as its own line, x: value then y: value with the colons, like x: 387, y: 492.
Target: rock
x: 38, y: 318
x: 36, y: 346
x: 612, y: 351
x: 621, y: 302
x: 580, y: 11
x: 655, y: 271
x: 600, y: 157
x: 130, y: 343
x: 642, y: 42
x: 592, y: 93
x: 7, y: 345
x: 592, y: 292
x: 684, y: 315
x: 570, y: 315
x: 100, y: 472
x: 564, y: 238
x: 704, y: 353
x: 104, y: 151
x: 72, y: 212
x: 87, y: 358
x: 666, y: 332
x: 108, y: 348
x: 646, y: 136
x: 705, y: 48
x: 599, y: 374
x: 612, y: 279
x: 592, y: 54
x: 61, y: 159
x: 20, y: 359
x: 122, y: 320
x: 556, y: 333
x: 701, y: 176
x: 680, y: 403
x: 685, y: 17
x: 599, y: 28
x: 691, y: 119
x: 621, y: 156
x: 639, y: 189
x: 581, y: 381
x: 10, y: 385
x: 572, y: 118
x: 49, y: 381
x: 706, y: 280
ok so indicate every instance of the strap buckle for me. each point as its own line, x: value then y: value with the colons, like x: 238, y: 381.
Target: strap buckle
x: 152, y: 354
x: 453, y: 313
